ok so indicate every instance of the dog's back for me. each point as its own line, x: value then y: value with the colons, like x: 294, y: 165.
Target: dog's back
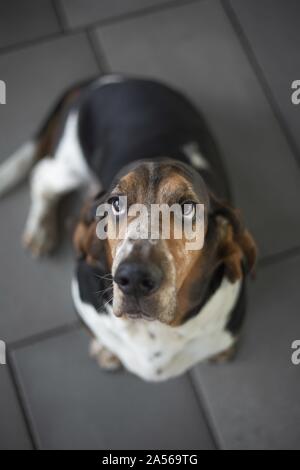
x: 121, y: 120
x: 133, y: 119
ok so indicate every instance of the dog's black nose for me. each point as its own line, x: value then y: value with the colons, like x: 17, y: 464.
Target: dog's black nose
x: 135, y: 278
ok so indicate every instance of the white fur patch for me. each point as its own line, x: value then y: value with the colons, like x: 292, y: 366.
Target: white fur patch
x: 17, y: 166
x: 108, y: 80
x: 51, y: 179
x: 69, y: 155
x: 195, y: 157
x: 155, y: 351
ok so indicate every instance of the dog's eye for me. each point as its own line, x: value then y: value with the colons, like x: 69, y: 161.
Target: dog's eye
x: 188, y: 209
x: 117, y: 206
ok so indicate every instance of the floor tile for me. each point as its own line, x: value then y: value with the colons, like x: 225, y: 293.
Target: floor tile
x: 84, y: 12
x: 272, y: 29
x: 35, y: 76
x: 75, y: 405
x: 194, y: 47
x: 13, y: 432
x: 26, y: 21
x: 35, y: 296
x: 254, y: 401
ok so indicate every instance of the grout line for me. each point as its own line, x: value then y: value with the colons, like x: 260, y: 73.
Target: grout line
x: 31, y: 42
x: 82, y: 29
x: 167, y: 5
x: 258, y: 70
x: 279, y: 257
x: 199, y: 395
x: 21, y: 401
x: 60, y: 15
x: 59, y: 331
x: 98, y: 52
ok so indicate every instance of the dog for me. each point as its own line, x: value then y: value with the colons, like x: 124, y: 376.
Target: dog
x: 152, y: 305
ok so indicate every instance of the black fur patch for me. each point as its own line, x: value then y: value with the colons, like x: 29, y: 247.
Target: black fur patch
x: 95, y: 288
x: 135, y: 119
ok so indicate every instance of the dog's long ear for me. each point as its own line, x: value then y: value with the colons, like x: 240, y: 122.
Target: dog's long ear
x: 236, y: 249
x: 86, y: 243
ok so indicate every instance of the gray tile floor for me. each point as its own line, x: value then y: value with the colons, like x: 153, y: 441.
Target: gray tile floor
x: 236, y: 59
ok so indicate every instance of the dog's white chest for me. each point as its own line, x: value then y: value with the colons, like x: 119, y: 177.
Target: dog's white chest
x: 155, y: 351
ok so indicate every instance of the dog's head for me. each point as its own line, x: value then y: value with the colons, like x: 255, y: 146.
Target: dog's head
x: 161, y: 278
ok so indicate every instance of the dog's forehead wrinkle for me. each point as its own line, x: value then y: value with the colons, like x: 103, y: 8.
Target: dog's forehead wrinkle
x: 153, y: 183
x: 149, y: 181
x: 135, y: 185
x: 165, y: 183
x: 193, y: 179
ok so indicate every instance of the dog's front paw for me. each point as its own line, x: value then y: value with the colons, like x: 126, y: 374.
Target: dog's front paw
x: 38, y: 243
x: 225, y: 356
x: 41, y: 241
x: 105, y: 358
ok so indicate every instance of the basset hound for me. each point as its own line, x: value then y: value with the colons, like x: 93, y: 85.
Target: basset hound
x: 152, y: 305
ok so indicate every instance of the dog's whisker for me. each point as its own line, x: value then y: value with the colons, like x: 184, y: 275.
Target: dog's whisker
x: 103, y: 306
x: 104, y: 291
x: 104, y: 277
x: 108, y: 301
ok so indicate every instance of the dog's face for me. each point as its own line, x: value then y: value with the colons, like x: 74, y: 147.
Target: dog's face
x: 161, y: 278
x: 148, y: 272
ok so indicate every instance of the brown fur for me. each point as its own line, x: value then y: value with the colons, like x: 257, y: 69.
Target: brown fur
x: 237, y: 248
x: 86, y: 242
x: 227, y: 242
